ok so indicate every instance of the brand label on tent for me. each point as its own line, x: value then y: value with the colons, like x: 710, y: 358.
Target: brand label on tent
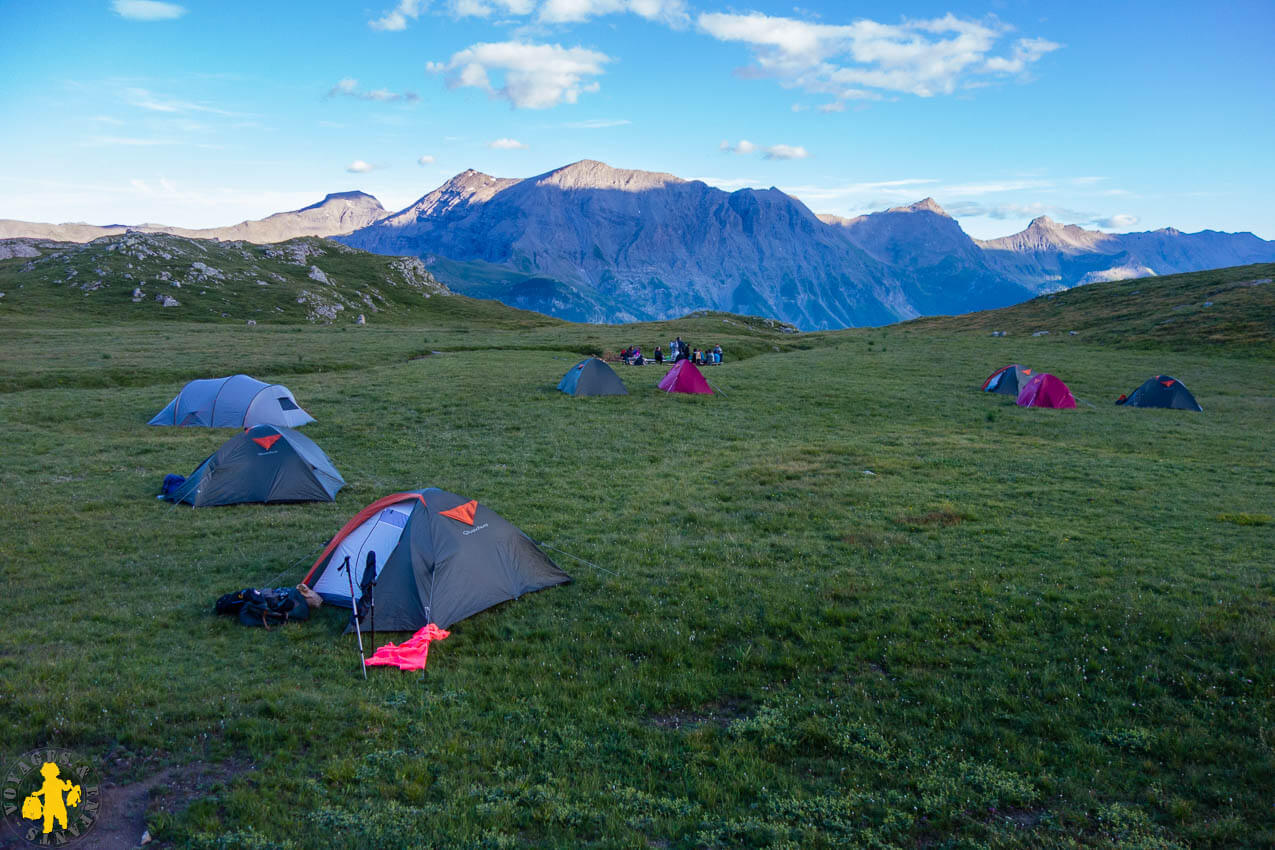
x: 267, y: 442
x: 462, y: 513
x: 1169, y: 382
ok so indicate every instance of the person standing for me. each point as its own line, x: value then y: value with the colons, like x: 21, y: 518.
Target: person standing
x: 659, y: 354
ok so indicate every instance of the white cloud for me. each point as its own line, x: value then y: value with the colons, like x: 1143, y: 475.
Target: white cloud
x: 147, y: 10
x: 127, y: 141
x: 743, y: 146
x: 1066, y: 215
x: 145, y: 99
x: 786, y: 152
x: 1119, y: 221
x: 866, y: 59
x: 349, y: 87
x: 360, y: 167
x: 597, y: 123
x: 975, y: 189
x: 536, y: 76
x: 425, y: 160
x: 395, y: 20
x: 506, y: 145
x: 487, y: 8
x: 575, y: 11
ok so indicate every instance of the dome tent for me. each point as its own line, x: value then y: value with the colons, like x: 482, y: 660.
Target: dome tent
x: 1162, y: 391
x: 1007, y: 380
x: 234, y: 402
x: 685, y: 378
x: 1046, y: 390
x: 439, y: 559
x: 263, y: 464
x: 592, y: 376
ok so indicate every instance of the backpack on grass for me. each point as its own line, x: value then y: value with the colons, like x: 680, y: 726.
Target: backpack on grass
x: 268, y: 606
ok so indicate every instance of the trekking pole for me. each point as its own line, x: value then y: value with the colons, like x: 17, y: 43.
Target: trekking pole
x: 369, y: 581
x: 355, y: 606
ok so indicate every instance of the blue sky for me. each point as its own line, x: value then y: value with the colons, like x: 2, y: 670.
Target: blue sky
x: 1124, y: 117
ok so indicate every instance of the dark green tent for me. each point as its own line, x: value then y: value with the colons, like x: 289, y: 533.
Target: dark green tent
x: 263, y: 464
x: 1161, y: 391
x: 439, y: 558
x: 592, y: 376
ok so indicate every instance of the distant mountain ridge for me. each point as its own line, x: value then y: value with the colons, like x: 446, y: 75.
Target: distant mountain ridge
x: 590, y: 242
x: 339, y: 212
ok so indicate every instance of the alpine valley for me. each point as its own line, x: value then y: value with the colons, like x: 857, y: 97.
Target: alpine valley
x: 588, y: 242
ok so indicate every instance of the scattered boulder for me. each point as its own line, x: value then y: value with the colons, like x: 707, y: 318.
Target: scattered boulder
x: 361, y: 320
x: 167, y: 300
x: 1073, y: 333
x: 1041, y: 333
x: 316, y: 273
x: 252, y: 323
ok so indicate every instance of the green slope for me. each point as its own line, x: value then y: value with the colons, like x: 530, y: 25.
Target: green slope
x: 302, y: 280
x: 1223, y: 309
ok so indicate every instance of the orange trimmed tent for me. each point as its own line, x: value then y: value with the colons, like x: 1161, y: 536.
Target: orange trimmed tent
x: 439, y: 558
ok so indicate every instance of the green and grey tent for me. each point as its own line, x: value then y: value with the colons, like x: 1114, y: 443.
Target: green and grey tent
x: 439, y: 558
x: 592, y: 376
x: 234, y: 402
x: 263, y: 464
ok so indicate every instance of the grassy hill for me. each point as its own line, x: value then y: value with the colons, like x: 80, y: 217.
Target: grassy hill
x: 1223, y: 309
x: 127, y: 278
x: 849, y: 602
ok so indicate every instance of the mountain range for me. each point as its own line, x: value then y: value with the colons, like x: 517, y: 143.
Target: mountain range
x: 590, y: 242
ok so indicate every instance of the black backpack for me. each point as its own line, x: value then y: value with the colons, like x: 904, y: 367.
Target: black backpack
x: 264, y: 607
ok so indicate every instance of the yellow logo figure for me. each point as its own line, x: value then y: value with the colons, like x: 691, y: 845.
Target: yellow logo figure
x: 54, y: 806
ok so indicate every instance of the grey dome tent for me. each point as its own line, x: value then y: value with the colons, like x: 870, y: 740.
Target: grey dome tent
x: 1007, y: 380
x: 263, y: 464
x: 439, y: 559
x: 592, y: 376
x: 234, y: 402
x: 1162, y: 391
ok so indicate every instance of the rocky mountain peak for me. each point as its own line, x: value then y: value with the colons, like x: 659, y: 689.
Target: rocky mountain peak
x: 591, y: 174
x: 1043, y: 222
x: 925, y: 205
x: 354, y: 198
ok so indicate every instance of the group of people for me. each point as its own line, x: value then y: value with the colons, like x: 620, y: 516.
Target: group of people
x: 678, y: 350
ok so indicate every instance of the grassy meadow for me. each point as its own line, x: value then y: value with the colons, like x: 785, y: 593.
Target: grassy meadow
x: 850, y: 601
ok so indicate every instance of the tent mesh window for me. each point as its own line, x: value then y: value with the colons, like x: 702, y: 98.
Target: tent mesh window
x: 287, y: 403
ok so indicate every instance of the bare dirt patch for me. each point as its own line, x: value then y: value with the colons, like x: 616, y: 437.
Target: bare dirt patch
x: 125, y: 806
x: 718, y: 714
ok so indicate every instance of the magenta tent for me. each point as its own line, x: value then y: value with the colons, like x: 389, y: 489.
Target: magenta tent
x: 1045, y: 390
x: 685, y: 378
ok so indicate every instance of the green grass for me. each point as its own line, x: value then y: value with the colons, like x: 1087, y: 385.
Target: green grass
x: 1231, y: 310
x: 1023, y: 628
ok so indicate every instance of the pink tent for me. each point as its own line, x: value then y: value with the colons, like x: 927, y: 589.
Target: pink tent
x: 685, y: 378
x: 1045, y: 390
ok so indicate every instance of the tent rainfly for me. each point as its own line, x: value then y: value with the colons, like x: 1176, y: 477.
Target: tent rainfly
x: 234, y: 402
x: 592, y: 376
x: 685, y: 378
x: 263, y: 464
x: 439, y: 558
x: 1162, y: 391
x: 1046, y: 390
